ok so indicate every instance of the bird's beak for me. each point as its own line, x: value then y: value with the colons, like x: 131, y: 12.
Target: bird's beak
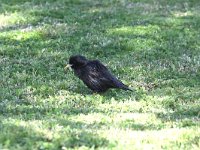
x: 67, y: 66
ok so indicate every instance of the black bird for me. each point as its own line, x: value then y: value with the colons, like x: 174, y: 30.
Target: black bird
x: 94, y: 74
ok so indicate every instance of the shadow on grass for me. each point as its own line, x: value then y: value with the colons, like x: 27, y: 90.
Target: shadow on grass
x: 130, y: 124
x: 33, y: 137
x: 20, y: 137
x: 86, y: 139
x: 181, y: 114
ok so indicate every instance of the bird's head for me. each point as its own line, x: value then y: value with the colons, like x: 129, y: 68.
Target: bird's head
x: 77, y: 61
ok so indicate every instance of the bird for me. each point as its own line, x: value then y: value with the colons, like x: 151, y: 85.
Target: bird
x: 94, y: 74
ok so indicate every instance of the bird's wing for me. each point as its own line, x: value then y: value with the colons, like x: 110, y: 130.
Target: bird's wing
x: 99, y: 72
x: 103, y: 74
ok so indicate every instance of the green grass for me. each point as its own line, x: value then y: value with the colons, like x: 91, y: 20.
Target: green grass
x: 151, y: 45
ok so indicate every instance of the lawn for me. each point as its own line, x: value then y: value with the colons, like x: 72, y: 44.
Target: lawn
x: 153, y: 46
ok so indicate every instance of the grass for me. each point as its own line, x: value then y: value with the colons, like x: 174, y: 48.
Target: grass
x: 151, y: 45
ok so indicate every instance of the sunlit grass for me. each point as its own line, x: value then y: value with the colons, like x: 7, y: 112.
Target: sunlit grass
x: 154, y: 139
x: 16, y: 19
x: 22, y: 35
x: 11, y: 19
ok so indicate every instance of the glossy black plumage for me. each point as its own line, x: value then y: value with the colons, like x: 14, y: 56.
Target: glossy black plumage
x: 94, y: 74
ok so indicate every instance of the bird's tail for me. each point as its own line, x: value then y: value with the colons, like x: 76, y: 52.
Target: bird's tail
x: 123, y: 86
x: 126, y: 88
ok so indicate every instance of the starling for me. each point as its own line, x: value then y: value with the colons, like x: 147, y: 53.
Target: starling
x: 94, y: 74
